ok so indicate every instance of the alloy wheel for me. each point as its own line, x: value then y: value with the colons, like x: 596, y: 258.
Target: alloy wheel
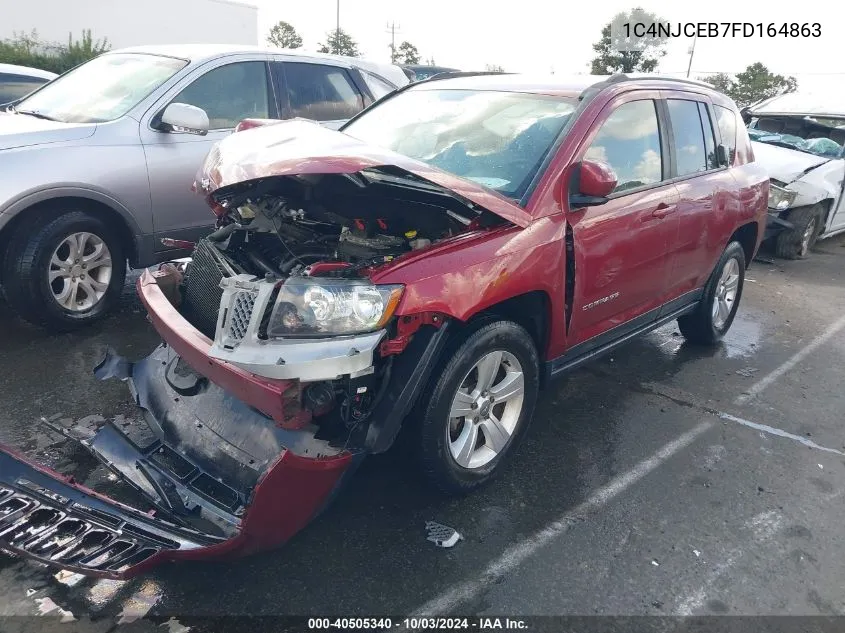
x: 80, y: 271
x: 726, y: 292
x: 485, y: 410
x: 807, y: 237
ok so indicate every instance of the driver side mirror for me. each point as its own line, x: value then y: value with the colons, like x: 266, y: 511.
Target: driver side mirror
x: 181, y: 117
x: 591, y: 184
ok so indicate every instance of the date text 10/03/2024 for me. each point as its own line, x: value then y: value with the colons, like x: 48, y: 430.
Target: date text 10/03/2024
x: 721, y: 29
x: 418, y: 623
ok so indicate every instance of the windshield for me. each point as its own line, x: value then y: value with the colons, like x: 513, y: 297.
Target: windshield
x: 103, y: 89
x: 498, y: 139
x: 820, y: 146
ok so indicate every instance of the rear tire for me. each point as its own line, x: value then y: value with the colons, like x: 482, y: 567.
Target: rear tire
x: 797, y: 242
x: 716, y: 310
x: 497, y: 414
x: 63, y: 272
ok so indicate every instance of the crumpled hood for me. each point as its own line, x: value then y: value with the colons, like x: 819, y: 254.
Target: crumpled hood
x: 300, y: 147
x: 22, y: 130
x: 785, y: 164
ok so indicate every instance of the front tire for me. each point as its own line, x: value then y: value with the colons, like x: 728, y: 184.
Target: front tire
x: 716, y: 310
x: 481, y: 403
x: 797, y: 242
x: 63, y: 272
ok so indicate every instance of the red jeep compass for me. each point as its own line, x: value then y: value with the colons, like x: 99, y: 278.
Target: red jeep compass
x: 429, y: 267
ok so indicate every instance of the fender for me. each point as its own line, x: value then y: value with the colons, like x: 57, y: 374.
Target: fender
x: 32, y: 198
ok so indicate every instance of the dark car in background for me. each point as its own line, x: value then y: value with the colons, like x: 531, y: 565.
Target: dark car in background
x: 18, y: 81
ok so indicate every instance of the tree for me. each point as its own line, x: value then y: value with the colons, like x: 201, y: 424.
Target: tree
x: 618, y: 53
x: 752, y: 84
x: 338, y: 42
x: 407, y: 53
x: 284, y: 35
x: 494, y: 68
x: 722, y: 82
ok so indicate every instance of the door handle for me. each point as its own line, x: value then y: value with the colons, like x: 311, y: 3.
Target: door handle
x: 663, y: 210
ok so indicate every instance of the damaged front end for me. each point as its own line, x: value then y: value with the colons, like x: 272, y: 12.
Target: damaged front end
x: 287, y: 357
x: 221, y: 479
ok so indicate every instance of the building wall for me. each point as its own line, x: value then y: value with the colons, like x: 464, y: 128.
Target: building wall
x: 135, y: 22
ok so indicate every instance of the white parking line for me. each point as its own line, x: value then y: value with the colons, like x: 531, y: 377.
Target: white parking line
x: 765, y: 428
x: 768, y: 379
x: 518, y: 553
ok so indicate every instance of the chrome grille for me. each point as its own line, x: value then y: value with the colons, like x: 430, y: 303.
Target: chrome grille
x: 242, y: 305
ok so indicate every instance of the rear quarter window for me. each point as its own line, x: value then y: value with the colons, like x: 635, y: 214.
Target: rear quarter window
x: 728, y: 130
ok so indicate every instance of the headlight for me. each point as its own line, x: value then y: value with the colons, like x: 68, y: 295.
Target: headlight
x: 331, y: 308
x: 780, y: 198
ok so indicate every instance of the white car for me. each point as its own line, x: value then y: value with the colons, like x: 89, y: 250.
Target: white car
x: 19, y: 81
x: 800, y: 139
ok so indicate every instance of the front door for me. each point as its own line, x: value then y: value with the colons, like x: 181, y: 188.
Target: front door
x: 621, y: 246
x: 229, y: 93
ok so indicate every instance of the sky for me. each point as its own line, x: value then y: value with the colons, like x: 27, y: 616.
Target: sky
x: 539, y: 37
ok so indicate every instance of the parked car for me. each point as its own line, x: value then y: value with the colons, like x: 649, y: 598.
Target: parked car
x: 418, y: 72
x: 428, y: 268
x: 97, y: 165
x: 800, y: 139
x: 18, y: 81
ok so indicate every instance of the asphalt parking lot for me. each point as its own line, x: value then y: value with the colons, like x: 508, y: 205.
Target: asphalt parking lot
x: 662, y: 480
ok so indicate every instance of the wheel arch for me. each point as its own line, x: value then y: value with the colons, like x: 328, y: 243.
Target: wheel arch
x: 51, y: 202
x: 531, y: 310
x: 747, y: 235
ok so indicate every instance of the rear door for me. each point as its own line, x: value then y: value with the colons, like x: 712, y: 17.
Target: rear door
x: 621, y: 246
x: 705, y: 189
x: 229, y: 91
x: 320, y: 92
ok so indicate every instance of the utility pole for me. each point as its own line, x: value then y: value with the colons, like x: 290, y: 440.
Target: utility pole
x: 337, y: 31
x: 392, y: 27
x: 691, y: 53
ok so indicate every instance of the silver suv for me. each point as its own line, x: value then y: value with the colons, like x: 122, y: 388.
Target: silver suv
x: 97, y: 165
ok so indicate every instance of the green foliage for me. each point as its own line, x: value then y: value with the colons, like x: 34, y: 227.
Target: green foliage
x: 753, y: 84
x: 284, y: 35
x: 25, y: 49
x: 338, y: 42
x: 407, y: 53
x: 617, y: 54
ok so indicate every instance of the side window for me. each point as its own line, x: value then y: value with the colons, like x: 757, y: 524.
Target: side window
x: 229, y: 94
x: 690, y: 151
x: 13, y: 87
x: 321, y: 93
x: 709, y: 142
x: 726, y: 120
x: 378, y: 86
x: 629, y: 141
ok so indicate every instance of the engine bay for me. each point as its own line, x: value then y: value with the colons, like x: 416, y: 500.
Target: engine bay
x: 339, y: 225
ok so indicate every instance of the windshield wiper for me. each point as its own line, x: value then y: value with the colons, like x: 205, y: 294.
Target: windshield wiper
x: 37, y: 115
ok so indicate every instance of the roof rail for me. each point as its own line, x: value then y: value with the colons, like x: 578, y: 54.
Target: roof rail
x: 620, y: 77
